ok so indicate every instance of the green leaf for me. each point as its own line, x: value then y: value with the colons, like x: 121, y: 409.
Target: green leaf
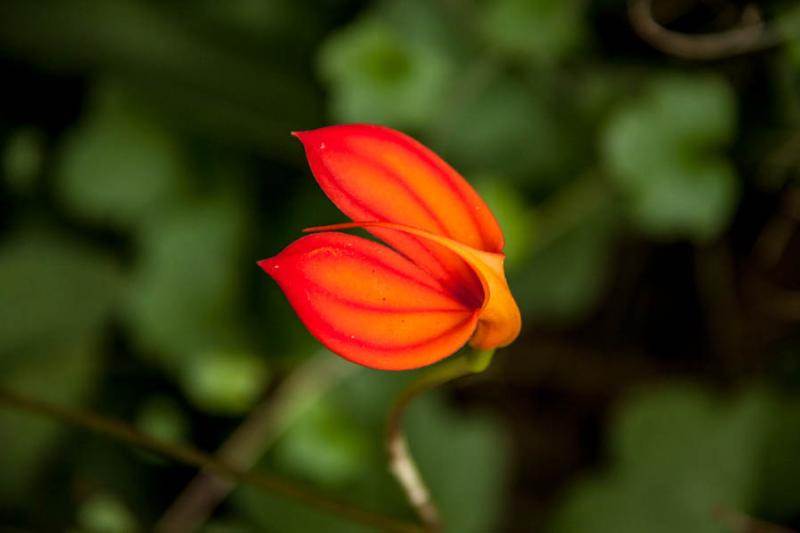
x: 694, y: 199
x: 120, y: 166
x: 324, y: 446
x: 65, y: 375
x: 545, y: 30
x: 57, y: 296
x: 56, y: 293
x: 664, y: 151
x: 504, y: 126
x: 185, y: 288
x: 378, y: 74
x: 225, y: 382
x: 463, y: 457
x: 565, y: 277
x: 699, y: 111
x: 682, y: 435
x: 678, y: 454
x: 636, y: 145
x: 104, y: 513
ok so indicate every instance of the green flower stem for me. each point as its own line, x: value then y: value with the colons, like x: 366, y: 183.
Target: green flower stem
x: 194, y: 457
x: 401, y: 462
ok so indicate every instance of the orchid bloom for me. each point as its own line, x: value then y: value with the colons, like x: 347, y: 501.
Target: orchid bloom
x: 437, y: 285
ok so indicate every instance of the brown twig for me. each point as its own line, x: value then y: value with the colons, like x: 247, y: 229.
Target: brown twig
x: 750, y: 37
x: 251, y: 439
x: 194, y: 457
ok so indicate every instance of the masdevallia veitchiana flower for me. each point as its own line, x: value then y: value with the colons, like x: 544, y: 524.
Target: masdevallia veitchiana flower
x: 438, y: 282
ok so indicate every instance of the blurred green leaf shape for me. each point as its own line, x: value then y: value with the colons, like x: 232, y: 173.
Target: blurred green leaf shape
x: 56, y: 295
x: 678, y: 454
x: 225, y: 382
x: 520, y: 134
x: 378, y: 73
x: 184, y: 290
x: 463, y: 457
x: 664, y: 152
x: 572, y: 255
x: 64, y: 376
x: 162, y: 418
x: 516, y: 219
x: 544, y: 30
x: 119, y: 166
x: 788, y: 24
x: 324, y: 447
x: 104, y: 513
x: 23, y: 156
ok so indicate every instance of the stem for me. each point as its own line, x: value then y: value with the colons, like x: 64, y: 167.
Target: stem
x: 251, y: 440
x: 749, y: 37
x: 401, y: 462
x: 194, y: 457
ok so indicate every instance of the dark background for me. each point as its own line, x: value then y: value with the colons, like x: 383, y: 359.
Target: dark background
x: 650, y: 203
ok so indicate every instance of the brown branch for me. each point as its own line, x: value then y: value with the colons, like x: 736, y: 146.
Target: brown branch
x: 750, y: 37
x: 251, y: 439
x: 194, y: 457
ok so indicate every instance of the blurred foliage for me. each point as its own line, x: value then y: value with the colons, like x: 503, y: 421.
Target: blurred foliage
x: 663, y: 153
x: 225, y: 382
x: 335, y: 445
x: 97, y: 179
x: 183, y: 292
x: 650, y: 208
x: 379, y: 74
x: 542, y: 30
x: 162, y: 418
x: 22, y: 160
x: 57, y: 295
x: 103, y: 513
x: 678, y: 453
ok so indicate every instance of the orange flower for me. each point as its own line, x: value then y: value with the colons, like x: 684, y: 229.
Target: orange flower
x: 440, y: 285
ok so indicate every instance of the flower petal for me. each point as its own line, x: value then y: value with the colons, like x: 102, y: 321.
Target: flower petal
x: 376, y: 173
x: 368, y: 303
x: 499, y: 321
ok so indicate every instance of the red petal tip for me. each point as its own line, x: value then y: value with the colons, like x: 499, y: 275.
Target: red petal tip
x: 310, y: 140
x: 268, y: 265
